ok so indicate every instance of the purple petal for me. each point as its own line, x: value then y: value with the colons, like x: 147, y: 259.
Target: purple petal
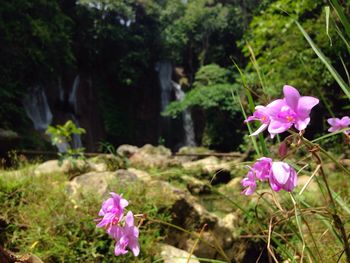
x: 278, y: 127
x: 280, y: 172
x: 292, y: 181
x: 291, y: 96
x: 261, y: 129
x: 274, y: 186
x: 124, y: 203
x: 345, y: 121
x: 301, y: 124
x: 333, y: 121
x: 273, y: 108
x: 305, y: 105
x: 134, y: 246
x: 129, y: 219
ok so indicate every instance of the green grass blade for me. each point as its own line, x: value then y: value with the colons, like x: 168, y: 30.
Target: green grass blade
x: 325, y: 60
x: 338, y: 8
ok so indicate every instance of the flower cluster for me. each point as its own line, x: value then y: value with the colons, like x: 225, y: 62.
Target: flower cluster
x: 279, y: 174
x: 338, y: 124
x: 121, y: 228
x: 282, y: 114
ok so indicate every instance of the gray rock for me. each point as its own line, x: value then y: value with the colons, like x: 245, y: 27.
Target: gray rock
x: 99, y: 182
x: 212, y: 168
x: 171, y: 254
x: 196, y: 186
x: 151, y: 156
x: 127, y: 150
x: 73, y: 168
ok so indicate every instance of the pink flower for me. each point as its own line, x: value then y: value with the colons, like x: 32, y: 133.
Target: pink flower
x: 112, y: 210
x: 126, y: 236
x: 262, y: 168
x: 282, y: 114
x: 260, y: 114
x: 338, y: 124
x: 292, y: 110
x: 249, y: 182
x: 282, y: 176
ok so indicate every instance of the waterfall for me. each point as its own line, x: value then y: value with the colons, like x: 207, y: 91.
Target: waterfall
x: 164, y: 69
x: 37, y: 108
x: 76, y: 139
x: 186, y: 117
x: 73, y: 94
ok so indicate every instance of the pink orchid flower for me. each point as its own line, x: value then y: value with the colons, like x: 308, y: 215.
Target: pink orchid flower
x: 126, y: 236
x: 261, y: 115
x: 292, y: 110
x: 282, y: 176
x: 338, y: 124
x: 112, y: 210
x: 262, y: 168
x: 249, y: 182
x: 282, y: 114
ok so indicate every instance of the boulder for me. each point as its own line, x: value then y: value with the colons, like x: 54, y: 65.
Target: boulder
x: 127, y: 150
x: 311, y: 185
x: 211, y: 168
x: 72, y: 168
x: 196, y: 186
x: 141, y: 175
x: 188, y: 153
x: 98, y: 182
x: 109, y: 162
x: 187, y: 213
x: 151, y: 157
x: 171, y: 254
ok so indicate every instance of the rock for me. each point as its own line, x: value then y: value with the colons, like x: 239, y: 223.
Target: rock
x: 191, y: 151
x: 150, y: 157
x: 196, y: 186
x: 346, y: 163
x: 141, y: 175
x: 98, y: 182
x: 230, y: 221
x: 212, y: 168
x: 127, y: 150
x: 190, y: 215
x: 30, y: 258
x: 171, y: 254
x: 98, y: 167
x: 232, y: 185
x: 312, y: 185
x: 73, y: 168
x: 111, y: 162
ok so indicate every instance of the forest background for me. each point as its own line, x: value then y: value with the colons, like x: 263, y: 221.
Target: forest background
x: 115, y: 45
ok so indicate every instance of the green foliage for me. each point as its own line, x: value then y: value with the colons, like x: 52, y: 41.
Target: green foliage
x: 281, y: 51
x: 212, y: 88
x: 42, y: 219
x: 60, y: 134
x: 36, y: 41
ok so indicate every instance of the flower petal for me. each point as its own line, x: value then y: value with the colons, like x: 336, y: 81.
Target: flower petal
x: 305, y: 104
x: 301, y: 124
x: 280, y: 172
x: 274, y: 107
x: 278, y: 127
x: 261, y: 129
x: 291, y: 96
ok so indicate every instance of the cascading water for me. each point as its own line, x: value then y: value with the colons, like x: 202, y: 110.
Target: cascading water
x: 186, y: 117
x: 37, y: 108
x: 164, y: 69
x: 73, y: 94
x: 76, y: 139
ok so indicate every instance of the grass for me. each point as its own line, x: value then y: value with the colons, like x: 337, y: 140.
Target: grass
x: 42, y: 219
